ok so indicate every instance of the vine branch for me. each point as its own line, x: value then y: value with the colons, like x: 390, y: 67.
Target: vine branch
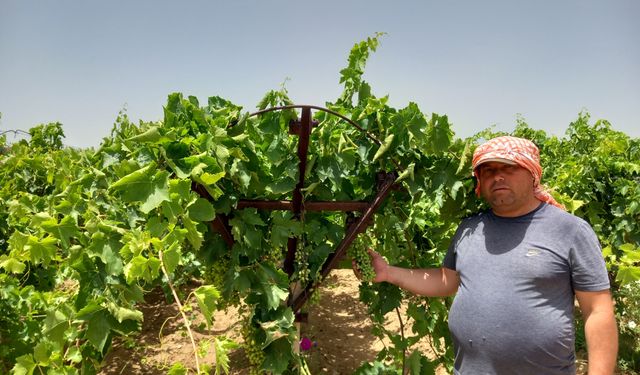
x: 404, y: 350
x: 184, y: 316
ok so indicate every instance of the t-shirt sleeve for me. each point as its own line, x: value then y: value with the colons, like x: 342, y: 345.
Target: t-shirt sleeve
x: 588, y: 269
x: 450, y: 258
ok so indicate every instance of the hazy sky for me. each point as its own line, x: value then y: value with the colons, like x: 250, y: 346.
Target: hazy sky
x: 482, y: 63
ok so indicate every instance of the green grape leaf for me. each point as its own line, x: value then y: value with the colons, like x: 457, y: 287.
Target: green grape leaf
x: 207, y: 297
x: 177, y: 369
x: 98, y: 329
x: 144, y: 186
x: 194, y: 236
x: 11, y: 265
x: 159, y: 192
x: 88, y: 310
x: 238, y: 281
x: 171, y: 255
x: 464, y: 165
x: 273, y: 284
x: 407, y: 173
x: 65, y: 230
x: 201, y: 210
x: 74, y: 355
x: 104, y: 247
x: 272, y: 295
x: 283, y: 227
x: 439, y: 134
x: 411, y: 121
x: 386, y: 145
x: 277, y: 329
x: 41, y: 250
x: 172, y: 211
x: 282, y: 186
x: 25, y: 365
x: 150, y: 135
x: 628, y: 274
x: 240, y: 173
x: 222, y: 348
x: 17, y: 242
x: 277, y: 356
x: 122, y: 313
x: 631, y: 252
x: 251, y: 217
x: 140, y: 267
x: 180, y: 189
x: 418, y: 364
x: 55, y: 325
x: 137, y: 185
x: 208, y: 179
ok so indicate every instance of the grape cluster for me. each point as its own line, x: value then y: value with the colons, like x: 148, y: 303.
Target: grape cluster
x: 252, y: 350
x: 314, y: 298
x: 214, y: 275
x: 358, y: 252
x: 273, y: 254
x: 302, y: 264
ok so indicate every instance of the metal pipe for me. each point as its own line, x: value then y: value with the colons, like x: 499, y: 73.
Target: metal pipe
x: 345, y: 118
x: 303, y: 150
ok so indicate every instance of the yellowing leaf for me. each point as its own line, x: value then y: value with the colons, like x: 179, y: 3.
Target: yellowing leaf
x: 11, y: 265
x: 384, y: 147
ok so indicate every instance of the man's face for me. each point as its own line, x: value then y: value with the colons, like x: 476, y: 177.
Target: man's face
x: 507, y: 188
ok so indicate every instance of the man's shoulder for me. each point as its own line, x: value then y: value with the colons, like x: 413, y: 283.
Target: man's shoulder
x: 474, y: 218
x: 557, y: 213
x: 560, y: 218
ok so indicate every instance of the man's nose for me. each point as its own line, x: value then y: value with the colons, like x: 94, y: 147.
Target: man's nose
x: 498, y: 176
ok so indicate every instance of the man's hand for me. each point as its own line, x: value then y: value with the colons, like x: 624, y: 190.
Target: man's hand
x: 379, y: 264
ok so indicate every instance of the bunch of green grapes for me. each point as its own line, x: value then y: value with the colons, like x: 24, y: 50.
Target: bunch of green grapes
x: 358, y: 252
x: 314, y: 299
x: 274, y: 254
x: 252, y: 349
x: 214, y: 275
x: 302, y: 264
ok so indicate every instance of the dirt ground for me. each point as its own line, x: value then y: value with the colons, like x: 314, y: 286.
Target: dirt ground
x: 339, y: 325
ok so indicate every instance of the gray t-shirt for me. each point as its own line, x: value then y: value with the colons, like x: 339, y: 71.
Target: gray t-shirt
x: 513, y: 312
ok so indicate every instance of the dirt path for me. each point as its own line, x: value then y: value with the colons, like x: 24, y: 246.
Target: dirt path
x: 339, y: 325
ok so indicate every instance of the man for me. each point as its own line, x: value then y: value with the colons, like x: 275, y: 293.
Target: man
x: 515, y: 270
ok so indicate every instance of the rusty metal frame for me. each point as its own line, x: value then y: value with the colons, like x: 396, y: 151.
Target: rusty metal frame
x: 302, y: 128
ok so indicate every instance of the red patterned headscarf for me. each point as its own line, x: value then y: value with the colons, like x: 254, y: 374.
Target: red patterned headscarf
x: 512, y: 150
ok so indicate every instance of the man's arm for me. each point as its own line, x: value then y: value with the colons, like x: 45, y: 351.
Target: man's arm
x: 430, y: 282
x: 601, y: 330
